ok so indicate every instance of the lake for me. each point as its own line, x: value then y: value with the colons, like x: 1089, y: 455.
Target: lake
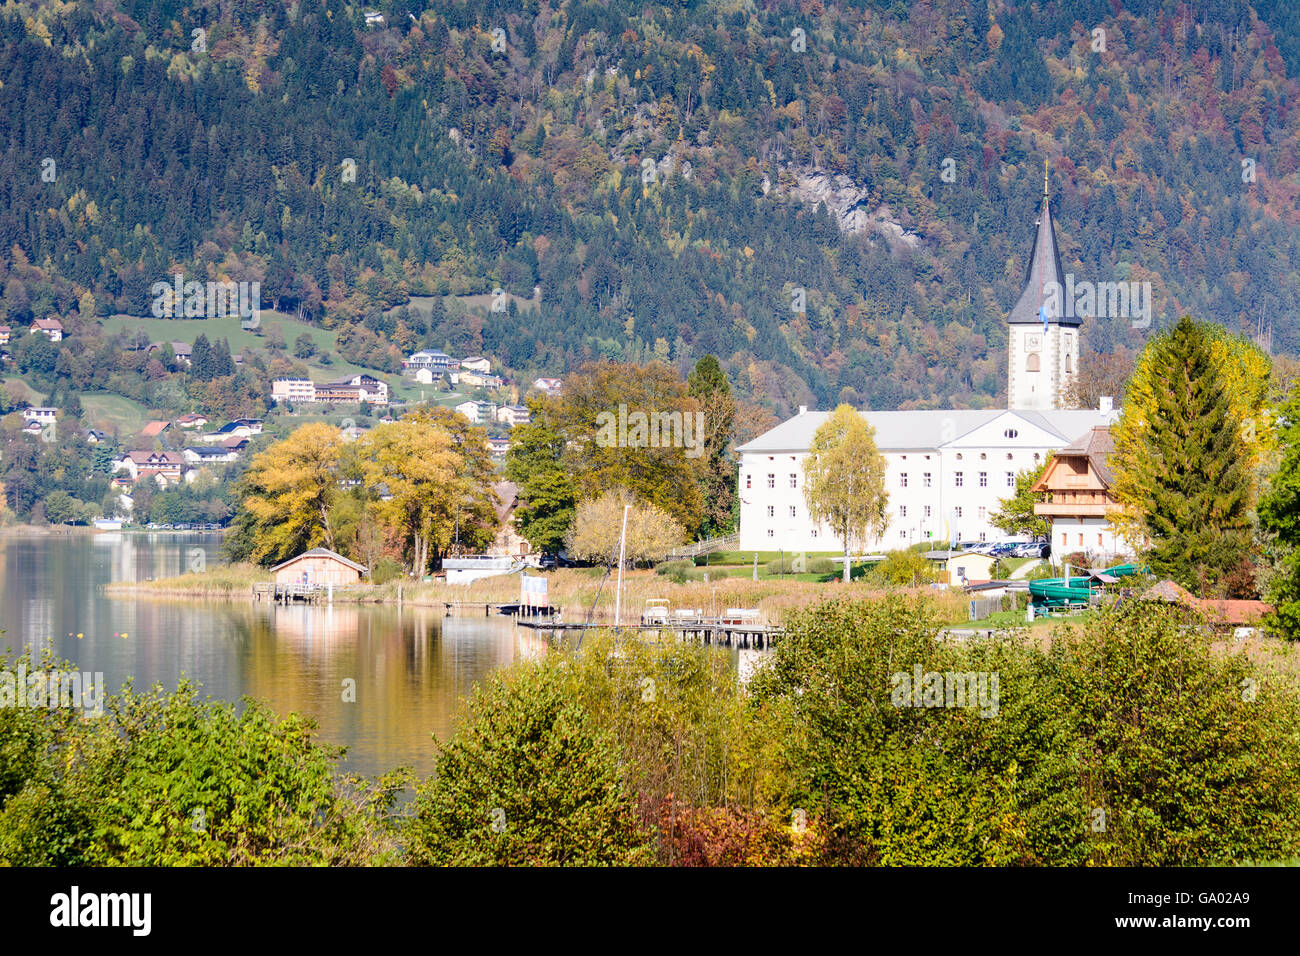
x: 411, y: 668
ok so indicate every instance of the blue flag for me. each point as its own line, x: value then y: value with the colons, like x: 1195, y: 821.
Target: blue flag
x: 1042, y: 314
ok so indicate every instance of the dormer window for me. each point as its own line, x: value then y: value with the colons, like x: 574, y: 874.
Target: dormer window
x: 1010, y: 433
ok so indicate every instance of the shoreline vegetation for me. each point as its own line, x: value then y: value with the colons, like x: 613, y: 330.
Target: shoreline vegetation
x: 575, y: 591
x: 630, y: 752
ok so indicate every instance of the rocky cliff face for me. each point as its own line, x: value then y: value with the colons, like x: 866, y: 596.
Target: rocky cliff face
x: 849, y: 204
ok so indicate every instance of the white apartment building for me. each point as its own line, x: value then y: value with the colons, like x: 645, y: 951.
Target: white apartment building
x: 295, y: 390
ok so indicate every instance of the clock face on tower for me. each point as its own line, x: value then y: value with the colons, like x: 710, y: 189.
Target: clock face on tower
x: 1033, y: 342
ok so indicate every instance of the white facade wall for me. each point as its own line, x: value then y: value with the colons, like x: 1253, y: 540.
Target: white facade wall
x: 296, y: 390
x: 1093, y: 536
x: 938, y: 494
x: 925, y: 501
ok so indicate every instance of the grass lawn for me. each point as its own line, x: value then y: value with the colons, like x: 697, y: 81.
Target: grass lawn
x: 230, y: 329
x: 114, y: 414
x: 747, y: 557
x: 22, y: 391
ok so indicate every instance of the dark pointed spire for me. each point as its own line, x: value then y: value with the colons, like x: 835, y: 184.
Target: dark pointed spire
x: 1044, y: 267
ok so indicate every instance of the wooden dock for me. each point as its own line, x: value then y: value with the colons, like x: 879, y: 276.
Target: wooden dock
x: 748, y: 634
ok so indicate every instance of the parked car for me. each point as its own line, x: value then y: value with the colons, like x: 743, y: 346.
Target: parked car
x: 548, y: 562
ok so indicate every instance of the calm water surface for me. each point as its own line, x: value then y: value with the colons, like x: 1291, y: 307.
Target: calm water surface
x: 411, y: 669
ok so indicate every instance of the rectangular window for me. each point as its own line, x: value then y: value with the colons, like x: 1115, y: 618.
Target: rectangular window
x: 927, y: 511
x: 902, y: 511
x: 984, y: 479
x: 1081, y: 539
x: 771, y: 511
x: 925, y: 479
x: 902, y: 480
x: 982, y: 511
x: 771, y: 533
x: 982, y: 537
x: 957, y: 511
x: 792, y: 511
x: 771, y: 481
x: 902, y: 534
x: 794, y: 481
x: 957, y: 479
x: 1011, y: 480
x: 1099, y: 539
x: 1064, y: 542
x: 749, y: 481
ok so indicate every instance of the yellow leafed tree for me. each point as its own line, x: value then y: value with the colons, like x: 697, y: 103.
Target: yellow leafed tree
x: 844, y: 480
x: 289, y: 492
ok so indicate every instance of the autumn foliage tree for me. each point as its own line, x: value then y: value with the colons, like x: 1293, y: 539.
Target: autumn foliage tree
x: 288, y: 495
x: 844, y: 480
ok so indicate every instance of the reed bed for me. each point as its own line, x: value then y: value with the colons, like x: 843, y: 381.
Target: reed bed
x: 575, y: 591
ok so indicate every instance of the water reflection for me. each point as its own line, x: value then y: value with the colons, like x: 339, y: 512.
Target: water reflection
x: 410, y: 669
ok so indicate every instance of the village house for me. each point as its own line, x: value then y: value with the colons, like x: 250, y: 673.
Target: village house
x: 52, y: 329
x: 477, y: 412
x: 209, y: 454
x: 498, y: 447
x: 962, y: 567
x: 154, y: 429
x: 1240, y: 616
x: 551, y: 386
x: 508, y: 542
x: 94, y: 436
x: 182, y: 350
x: 354, y: 390
x: 40, y: 415
x: 5, y: 332
x: 239, y: 428
x: 1078, y: 502
x: 476, y: 363
x: 318, y: 567
x: 479, y: 379
x: 513, y: 415
x: 191, y: 420
x: 165, y: 467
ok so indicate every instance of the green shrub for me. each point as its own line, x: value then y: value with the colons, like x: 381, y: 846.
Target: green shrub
x: 680, y: 571
x: 822, y: 566
x: 527, y: 779
x: 1129, y: 742
x: 903, y: 569
x: 385, y: 570
x: 164, y: 779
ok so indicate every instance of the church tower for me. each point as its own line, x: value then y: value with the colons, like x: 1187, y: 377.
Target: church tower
x: 1043, y: 342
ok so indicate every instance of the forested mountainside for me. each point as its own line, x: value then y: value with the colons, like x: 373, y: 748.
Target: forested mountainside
x: 670, y: 175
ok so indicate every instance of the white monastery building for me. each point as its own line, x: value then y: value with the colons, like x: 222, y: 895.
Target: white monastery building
x: 947, y: 470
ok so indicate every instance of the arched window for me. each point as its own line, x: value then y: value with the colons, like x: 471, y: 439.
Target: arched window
x: 1031, y: 362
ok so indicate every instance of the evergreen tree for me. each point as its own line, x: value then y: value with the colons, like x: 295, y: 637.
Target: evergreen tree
x: 1185, y: 478
x: 201, y: 359
x: 708, y: 384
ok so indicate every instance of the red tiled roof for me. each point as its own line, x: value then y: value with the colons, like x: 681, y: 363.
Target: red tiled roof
x: 1216, y: 611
